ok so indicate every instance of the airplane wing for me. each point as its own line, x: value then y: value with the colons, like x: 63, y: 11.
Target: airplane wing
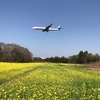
x: 47, y: 28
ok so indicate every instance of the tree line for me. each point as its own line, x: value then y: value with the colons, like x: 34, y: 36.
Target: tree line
x: 80, y: 58
x: 14, y: 53
x: 84, y: 57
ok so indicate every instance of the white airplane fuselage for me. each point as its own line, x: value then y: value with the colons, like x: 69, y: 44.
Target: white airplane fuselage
x: 38, y: 28
x: 47, y: 28
x: 41, y: 28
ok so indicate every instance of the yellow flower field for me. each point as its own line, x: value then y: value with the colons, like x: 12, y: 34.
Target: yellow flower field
x: 48, y: 81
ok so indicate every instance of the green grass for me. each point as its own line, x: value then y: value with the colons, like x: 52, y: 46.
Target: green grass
x: 48, y: 81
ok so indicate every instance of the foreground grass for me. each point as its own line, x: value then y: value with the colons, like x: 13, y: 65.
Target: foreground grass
x: 48, y: 81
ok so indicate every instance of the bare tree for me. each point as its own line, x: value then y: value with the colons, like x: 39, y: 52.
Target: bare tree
x: 14, y: 53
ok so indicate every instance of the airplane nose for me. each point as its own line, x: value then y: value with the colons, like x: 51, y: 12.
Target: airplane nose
x: 33, y: 28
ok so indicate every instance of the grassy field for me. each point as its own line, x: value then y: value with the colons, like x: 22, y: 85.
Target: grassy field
x: 48, y: 81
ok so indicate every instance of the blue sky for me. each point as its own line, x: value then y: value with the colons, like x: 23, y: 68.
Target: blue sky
x: 80, y: 21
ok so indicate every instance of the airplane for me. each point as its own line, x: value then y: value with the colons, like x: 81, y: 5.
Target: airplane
x: 46, y: 29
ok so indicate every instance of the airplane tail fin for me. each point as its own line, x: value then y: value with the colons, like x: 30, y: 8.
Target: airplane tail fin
x: 59, y: 28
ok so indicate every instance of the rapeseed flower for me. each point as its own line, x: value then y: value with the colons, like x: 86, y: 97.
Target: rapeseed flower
x: 48, y: 82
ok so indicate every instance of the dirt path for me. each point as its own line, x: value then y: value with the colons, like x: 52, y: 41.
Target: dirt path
x: 93, y: 66
x: 94, y: 69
